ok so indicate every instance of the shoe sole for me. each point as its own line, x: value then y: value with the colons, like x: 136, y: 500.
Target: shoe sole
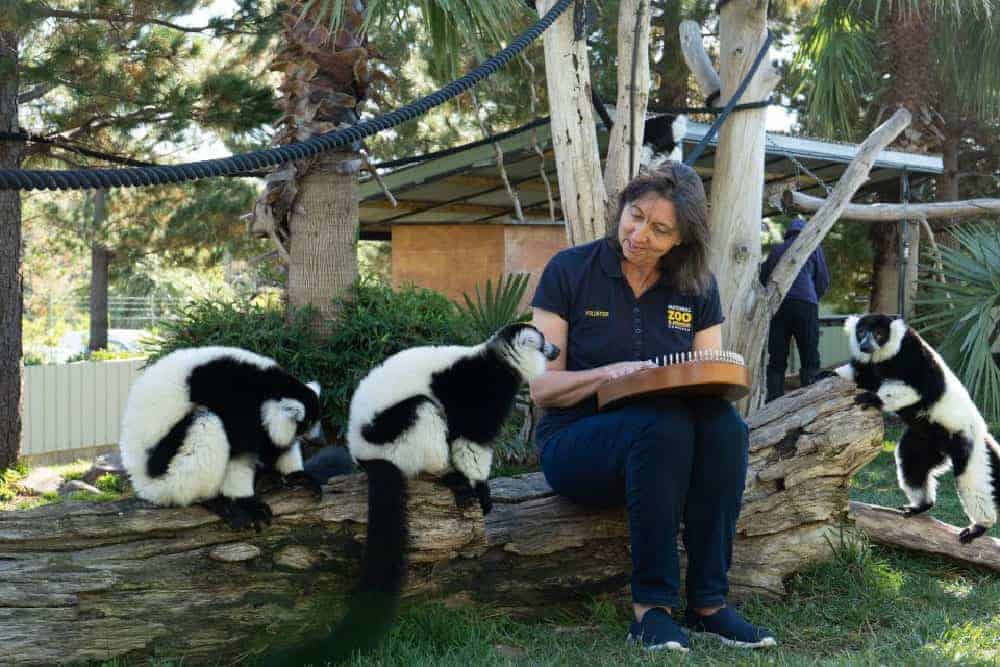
x: 766, y: 642
x: 666, y: 646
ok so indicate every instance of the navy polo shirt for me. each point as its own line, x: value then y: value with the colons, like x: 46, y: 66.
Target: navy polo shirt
x: 584, y: 285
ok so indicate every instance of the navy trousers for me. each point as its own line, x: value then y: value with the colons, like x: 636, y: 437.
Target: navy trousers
x: 669, y: 461
x: 799, y: 320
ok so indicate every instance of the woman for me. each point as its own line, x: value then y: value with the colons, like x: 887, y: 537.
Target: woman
x: 612, y: 305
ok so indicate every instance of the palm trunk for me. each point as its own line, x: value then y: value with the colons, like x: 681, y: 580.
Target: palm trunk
x: 910, y: 51
x: 100, y: 259
x: 10, y: 260
x: 323, y: 229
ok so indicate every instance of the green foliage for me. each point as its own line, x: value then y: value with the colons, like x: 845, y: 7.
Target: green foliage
x: 8, y: 478
x: 374, y: 324
x: 497, y: 309
x: 965, y: 309
x: 103, y: 355
x: 112, y: 484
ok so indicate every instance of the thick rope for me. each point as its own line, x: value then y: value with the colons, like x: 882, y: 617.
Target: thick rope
x: 15, y: 179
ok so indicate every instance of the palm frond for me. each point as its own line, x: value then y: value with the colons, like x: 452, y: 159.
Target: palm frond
x: 835, y: 60
x: 498, y: 308
x: 967, y: 309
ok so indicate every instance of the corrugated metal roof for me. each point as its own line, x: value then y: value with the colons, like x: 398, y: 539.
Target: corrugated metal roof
x: 464, y: 186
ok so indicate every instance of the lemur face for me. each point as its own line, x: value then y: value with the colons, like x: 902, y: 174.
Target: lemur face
x: 527, y: 348
x: 874, y: 336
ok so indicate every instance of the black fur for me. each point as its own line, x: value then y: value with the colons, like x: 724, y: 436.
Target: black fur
x: 373, y: 605
x: 658, y: 132
x: 474, y: 411
x: 235, y: 390
x: 163, y: 453
x: 393, y: 421
x: 925, y: 445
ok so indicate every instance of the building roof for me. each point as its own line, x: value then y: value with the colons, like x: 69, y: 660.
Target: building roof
x: 463, y: 185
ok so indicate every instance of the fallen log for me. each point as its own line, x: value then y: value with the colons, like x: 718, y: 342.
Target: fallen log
x: 90, y: 581
x: 923, y: 533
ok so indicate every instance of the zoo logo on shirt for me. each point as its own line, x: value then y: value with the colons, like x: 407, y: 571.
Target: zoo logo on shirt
x: 679, y: 318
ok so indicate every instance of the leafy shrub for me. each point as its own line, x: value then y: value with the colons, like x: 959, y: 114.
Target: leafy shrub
x: 111, y: 483
x: 30, y: 358
x: 375, y: 323
x: 104, y: 355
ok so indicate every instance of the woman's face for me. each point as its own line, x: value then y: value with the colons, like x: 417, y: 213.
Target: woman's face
x: 648, y: 229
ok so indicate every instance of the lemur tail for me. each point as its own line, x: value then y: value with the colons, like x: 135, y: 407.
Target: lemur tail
x: 372, y: 608
x: 993, y: 455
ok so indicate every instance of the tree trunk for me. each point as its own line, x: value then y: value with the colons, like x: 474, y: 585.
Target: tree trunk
x: 10, y: 260
x: 885, y: 268
x: 100, y: 259
x: 323, y: 229
x: 84, y: 581
x: 738, y: 185
x: 574, y: 134
x: 625, y: 142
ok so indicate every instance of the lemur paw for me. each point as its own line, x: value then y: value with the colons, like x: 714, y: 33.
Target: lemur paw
x: 241, y: 513
x: 485, y: 497
x: 300, y: 479
x: 970, y: 533
x: 914, y: 510
x: 867, y: 399
x: 461, y: 487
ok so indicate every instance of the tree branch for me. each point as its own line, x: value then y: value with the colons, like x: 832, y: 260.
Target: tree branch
x: 45, y: 11
x: 698, y: 61
x: 923, y: 533
x: 892, y: 212
x: 855, y: 175
x: 41, y: 90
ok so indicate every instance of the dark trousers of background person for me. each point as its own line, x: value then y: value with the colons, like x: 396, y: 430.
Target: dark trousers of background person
x: 668, y: 460
x: 798, y: 319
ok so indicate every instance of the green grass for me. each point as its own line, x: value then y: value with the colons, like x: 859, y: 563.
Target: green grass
x: 871, y: 605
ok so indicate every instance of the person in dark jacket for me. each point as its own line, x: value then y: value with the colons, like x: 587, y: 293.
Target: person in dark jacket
x: 798, y: 315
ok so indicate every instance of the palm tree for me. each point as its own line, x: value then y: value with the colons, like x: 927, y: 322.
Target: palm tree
x: 860, y: 59
x: 326, y: 63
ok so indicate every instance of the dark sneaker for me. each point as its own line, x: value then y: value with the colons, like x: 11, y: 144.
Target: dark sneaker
x: 730, y: 628
x: 658, y: 632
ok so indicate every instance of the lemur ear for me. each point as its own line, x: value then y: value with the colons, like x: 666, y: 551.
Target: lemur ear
x: 314, y: 385
x: 292, y: 409
x: 851, y: 323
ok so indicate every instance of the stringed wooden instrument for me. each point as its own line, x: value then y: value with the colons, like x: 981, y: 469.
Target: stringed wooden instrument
x: 698, y: 373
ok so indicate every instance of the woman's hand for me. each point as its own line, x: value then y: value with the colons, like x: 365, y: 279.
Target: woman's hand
x: 623, y: 368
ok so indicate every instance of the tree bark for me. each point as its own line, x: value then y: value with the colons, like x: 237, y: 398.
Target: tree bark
x: 85, y: 581
x: 924, y: 533
x: 11, y: 278
x: 100, y: 260
x: 323, y: 228
x: 738, y: 184
x: 625, y: 142
x: 582, y: 193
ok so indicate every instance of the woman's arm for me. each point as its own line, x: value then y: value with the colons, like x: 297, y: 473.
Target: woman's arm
x: 558, y: 387
x: 708, y: 339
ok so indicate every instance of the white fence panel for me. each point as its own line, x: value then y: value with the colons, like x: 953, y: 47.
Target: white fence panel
x: 74, y: 406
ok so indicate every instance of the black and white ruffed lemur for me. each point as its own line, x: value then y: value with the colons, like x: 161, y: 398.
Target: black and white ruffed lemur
x: 433, y: 409
x: 899, y: 372
x: 199, y: 422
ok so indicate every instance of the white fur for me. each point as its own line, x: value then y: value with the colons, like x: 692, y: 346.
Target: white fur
x: 974, y: 486
x: 897, y: 395
x: 291, y: 460
x: 471, y: 460
x: 954, y: 411
x: 678, y: 128
x: 239, y: 477
x: 281, y: 418
x: 196, y: 471
x: 158, y: 399
x: 846, y: 371
x: 424, y: 447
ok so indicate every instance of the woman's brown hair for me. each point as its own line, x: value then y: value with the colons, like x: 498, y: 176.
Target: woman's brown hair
x: 686, y: 266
